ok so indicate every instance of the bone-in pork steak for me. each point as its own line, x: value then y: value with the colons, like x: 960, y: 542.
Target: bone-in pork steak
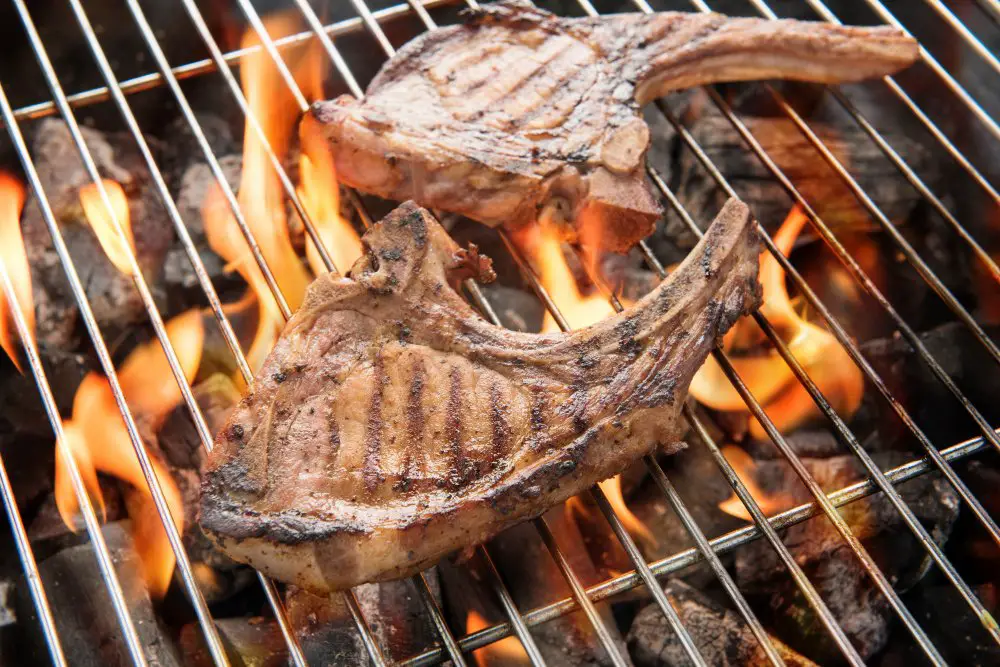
x: 391, y: 424
x: 519, y: 113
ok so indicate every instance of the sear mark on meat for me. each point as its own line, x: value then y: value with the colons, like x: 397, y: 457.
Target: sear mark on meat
x: 519, y: 114
x: 380, y: 455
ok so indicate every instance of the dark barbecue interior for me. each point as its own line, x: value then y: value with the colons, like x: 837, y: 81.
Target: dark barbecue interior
x: 465, y: 588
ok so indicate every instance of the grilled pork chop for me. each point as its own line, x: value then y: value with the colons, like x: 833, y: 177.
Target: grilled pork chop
x: 391, y: 424
x: 519, y: 114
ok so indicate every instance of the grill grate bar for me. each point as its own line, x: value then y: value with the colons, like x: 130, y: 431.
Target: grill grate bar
x: 520, y: 628
x: 705, y: 550
x: 991, y: 8
x: 890, y: 153
x: 616, y: 653
x: 967, y: 35
x: 183, y: 564
x: 447, y: 638
x: 828, y: 508
x: 847, y: 260
x: 902, y: 96
x: 23, y: 544
x: 931, y: 62
x: 688, y: 557
x: 842, y: 337
x: 601, y: 591
x: 93, y: 526
x: 205, y: 65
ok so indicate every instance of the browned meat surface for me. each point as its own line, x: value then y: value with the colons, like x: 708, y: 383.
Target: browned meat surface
x: 519, y: 113
x: 392, y: 425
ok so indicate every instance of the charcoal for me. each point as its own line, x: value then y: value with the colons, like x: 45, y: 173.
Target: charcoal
x: 933, y: 407
x: 807, y: 443
x: 194, y: 183
x: 325, y: 628
x: 183, y: 149
x: 82, y: 608
x: 253, y: 642
x: 702, y: 487
x: 952, y: 627
x: 830, y: 565
x: 721, y: 635
x: 534, y: 580
x: 113, y: 298
x: 796, y: 157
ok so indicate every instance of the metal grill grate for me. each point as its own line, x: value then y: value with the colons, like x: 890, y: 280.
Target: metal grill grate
x: 643, y: 574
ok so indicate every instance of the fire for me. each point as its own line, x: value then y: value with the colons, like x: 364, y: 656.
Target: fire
x: 767, y: 375
x: 320, y: 196
x: 261, y: 197
x: 14, y: 261
x: 113, y: 228
x: 97, y: 439
x: 579, y: 310
x: 507, y: 650
x: 746, y: 468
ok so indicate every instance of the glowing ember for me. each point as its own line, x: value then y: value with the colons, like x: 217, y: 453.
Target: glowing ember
x: 15, y: 263
x: 507, y: 651
x: 97, y: 438
x: 767, y: 375
x: 110, y: 226
x: 745, y: 467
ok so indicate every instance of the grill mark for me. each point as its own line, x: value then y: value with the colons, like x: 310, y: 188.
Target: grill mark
x: 415, y: 424
x: 370, y: 472
x: 498, y: 419
x: 537, y: 419
x: 476, y: 85
x: 457, y: 468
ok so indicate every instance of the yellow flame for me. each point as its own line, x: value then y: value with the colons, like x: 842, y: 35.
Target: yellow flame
x: 98, y: 440
x: 767, y: 375
x: 508, y: 650
x: 110, y: 226
x: 320, y: 196
x: 15, y: 263
x: 745, y: 467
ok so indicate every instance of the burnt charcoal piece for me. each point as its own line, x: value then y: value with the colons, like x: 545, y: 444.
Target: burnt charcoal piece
x: 534, y: 580
x: 397, y: 617
x: 194, y: 184
x: 392, y: 425
x: 252, y: 641
x: 828, y: 562
x: 721, y: 634
x: 519, y: 113
x: 82, y: 608
x: 113, y: 298
x: 325, y: 629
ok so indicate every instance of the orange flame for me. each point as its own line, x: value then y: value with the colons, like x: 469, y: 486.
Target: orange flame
x: 508, y: 650
x: 746, y: 467
x: 261, y: 197
x: 109, y: 226
x: 14, y: 261
x: 97, y: 439
x: 768, y: 376
x: 579, y: 310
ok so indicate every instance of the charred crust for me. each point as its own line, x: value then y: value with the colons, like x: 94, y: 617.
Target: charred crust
x: 279, y: 377
x: 391, y: 254
x: 236, y: 432
x: 229, y: 520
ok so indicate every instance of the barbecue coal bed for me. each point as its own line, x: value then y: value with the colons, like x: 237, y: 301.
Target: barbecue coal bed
x: 836, y: 502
